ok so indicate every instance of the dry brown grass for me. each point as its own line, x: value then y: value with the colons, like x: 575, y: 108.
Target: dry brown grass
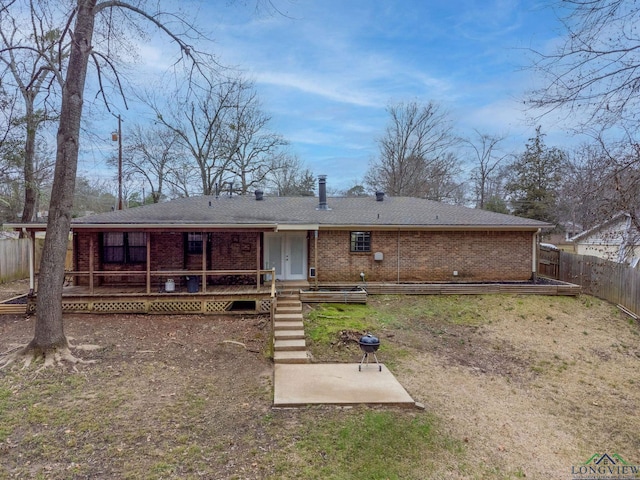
x: 535, y: 385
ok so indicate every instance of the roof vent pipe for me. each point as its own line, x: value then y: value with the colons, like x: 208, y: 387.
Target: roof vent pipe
x: 379, y: 196
x: 259, y: 195
x: 322, y: 192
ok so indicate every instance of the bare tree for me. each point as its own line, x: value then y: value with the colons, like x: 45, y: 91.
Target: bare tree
x: 93, y: 195
x: 11, y: 148
x: 487, y: 160
x: 596, y: 70
x: 33, y: 56
x: 49, y: 340
x: 8, y: 114
x: 289, y: 177
x: 255, y: 149
x: 581, y: 194
x: 151, y: 153
x: 416, y: 139
x: 442, y: 180
x: 611, y: 172
x: 206, y: 123
x: 180, y: 180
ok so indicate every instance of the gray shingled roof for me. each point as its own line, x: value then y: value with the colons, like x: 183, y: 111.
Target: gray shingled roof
x: 348, y: 212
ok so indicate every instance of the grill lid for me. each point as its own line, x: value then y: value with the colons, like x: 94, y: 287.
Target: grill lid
x: 369, y: 339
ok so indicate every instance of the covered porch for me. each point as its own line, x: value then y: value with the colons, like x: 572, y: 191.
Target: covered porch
x: 169, y: 269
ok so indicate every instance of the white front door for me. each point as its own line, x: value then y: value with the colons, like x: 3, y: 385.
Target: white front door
x: 287, y: 253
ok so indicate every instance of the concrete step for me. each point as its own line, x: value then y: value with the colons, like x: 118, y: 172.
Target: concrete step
x: 289, y: 301
x: 290, y: 357
x: 287, y: 316
x: 288, y: 334
x: 296, y: 345
x: 288, y: 309
x: 288, y: 325
x: 289, y: 298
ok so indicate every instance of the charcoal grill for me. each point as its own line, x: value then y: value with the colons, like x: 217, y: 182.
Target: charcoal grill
x: 369, y: 344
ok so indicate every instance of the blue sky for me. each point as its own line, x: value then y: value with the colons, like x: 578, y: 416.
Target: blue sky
x: 327, y: 69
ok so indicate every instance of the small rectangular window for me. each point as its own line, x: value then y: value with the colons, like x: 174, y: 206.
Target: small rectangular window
x: 137, y: 247
x: 194, y: 243
x: 360, y: 241
x: 113, y: 247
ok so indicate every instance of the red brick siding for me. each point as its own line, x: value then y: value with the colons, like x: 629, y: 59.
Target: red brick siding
x: 427, y: 256
x: 167, y: 251
x: 82, y: 255
x: 234, y: 251
x: 424, y: 256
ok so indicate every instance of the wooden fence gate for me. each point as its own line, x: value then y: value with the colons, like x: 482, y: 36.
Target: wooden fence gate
x: 549, y: 262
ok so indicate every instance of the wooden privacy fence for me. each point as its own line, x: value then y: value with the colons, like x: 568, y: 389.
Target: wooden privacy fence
x: 14, y: 259
x: 549, y: 262
x: 616, y: 282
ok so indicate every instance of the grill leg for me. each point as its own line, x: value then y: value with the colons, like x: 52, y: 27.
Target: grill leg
x: 366, y: 357
x: 377, y: 362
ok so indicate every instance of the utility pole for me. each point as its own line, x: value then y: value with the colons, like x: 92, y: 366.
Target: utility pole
x: 118, y: 136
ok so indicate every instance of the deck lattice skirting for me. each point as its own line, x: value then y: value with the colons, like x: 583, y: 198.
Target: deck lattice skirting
x: 164, y: 306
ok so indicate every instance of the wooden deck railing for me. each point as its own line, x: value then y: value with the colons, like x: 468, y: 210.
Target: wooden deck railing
x: 202, y: 274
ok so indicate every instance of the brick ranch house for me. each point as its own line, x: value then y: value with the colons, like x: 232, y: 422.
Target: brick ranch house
x: 216, y: 253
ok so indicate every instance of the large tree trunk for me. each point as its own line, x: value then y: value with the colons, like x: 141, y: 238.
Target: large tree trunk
x: 49, y: 332
x: 30, y: 192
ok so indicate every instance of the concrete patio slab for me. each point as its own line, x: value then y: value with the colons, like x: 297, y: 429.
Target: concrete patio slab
x: 337, y: 384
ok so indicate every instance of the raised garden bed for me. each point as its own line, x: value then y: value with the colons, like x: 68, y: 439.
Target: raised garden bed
x: 334, y: 295
x: 345, y: 293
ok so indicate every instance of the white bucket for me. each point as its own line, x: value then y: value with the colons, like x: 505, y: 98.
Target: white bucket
x: 170, y: 285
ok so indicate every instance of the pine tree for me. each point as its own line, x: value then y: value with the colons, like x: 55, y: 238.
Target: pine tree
x: 534, y: 180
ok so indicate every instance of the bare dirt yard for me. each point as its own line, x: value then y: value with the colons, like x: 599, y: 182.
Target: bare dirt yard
x: 513, y: 386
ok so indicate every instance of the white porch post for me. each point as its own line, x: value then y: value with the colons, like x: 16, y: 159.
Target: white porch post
x: 32, y: 262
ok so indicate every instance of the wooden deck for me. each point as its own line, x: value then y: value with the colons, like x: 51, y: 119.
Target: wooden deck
x: 236, y: 299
